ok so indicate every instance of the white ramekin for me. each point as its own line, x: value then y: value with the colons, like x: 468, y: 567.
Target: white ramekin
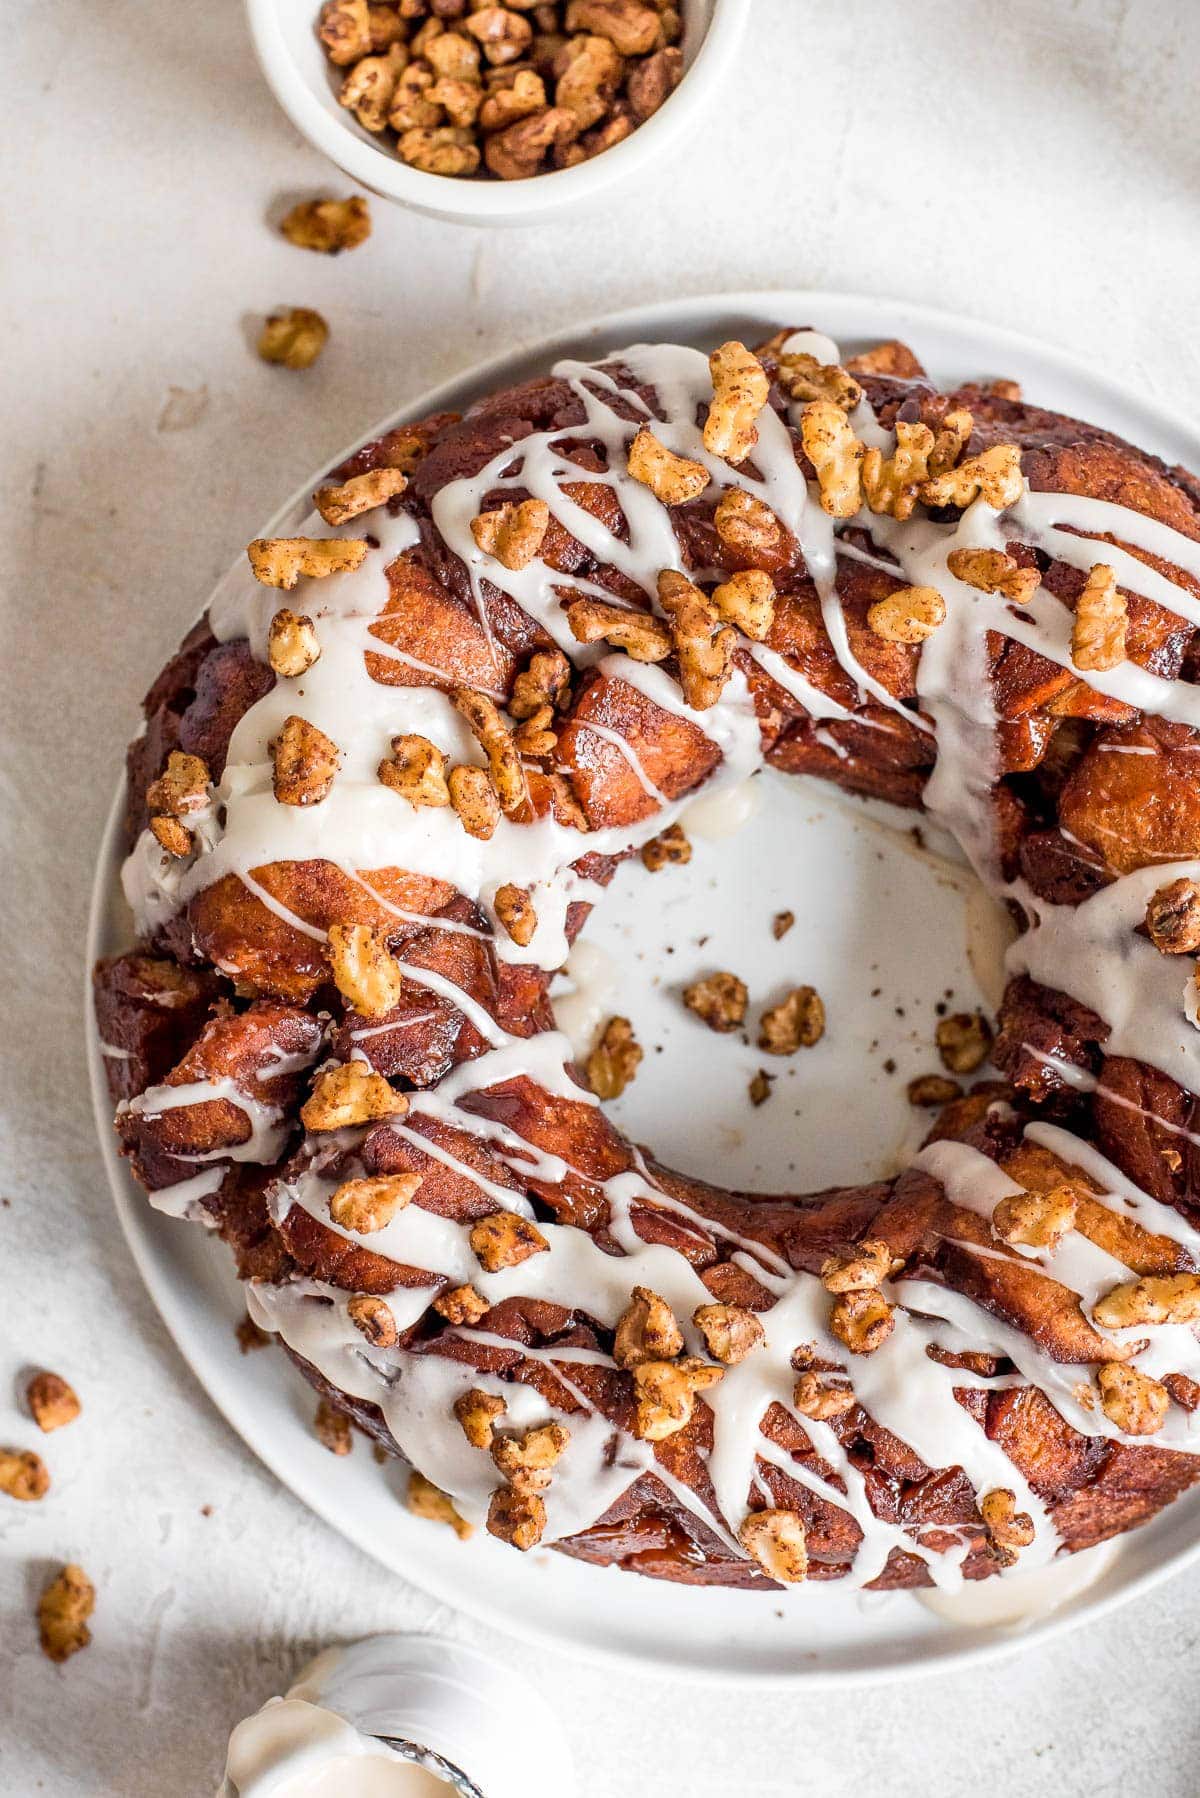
x: 305, y: 85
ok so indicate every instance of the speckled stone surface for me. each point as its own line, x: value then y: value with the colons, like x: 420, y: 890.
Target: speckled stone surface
x: 1035, y: 165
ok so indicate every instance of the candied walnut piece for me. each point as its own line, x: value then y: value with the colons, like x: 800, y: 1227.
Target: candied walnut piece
x: 350, y: 1094
x: 412, y: 109
x: 507, y: 105
x: 1173, y: 918
x: 797, y: 1022
x: 361, y: 493
x: 461, y: 1305
x: 345, y: 30
x: 836, y: 454
x: 652, y: 82
x: 730, y: 1332
x: 527, y: 1459
x: 644, y: 638
x: 512, y: 533
x: 505, y: 1239
x: 459, y: 98
x: 328, y: 226
x: 23, y: 1475
x: 747, y: 599
x: 292, y: 643
x: 370, y: 86
x: 952, y: 437
x: 647, y: 1330
x: 908, y: 615
x: 991, y: 571
x: 630, y: 25
x: 1036, y: 1220
x: 1098, y: 631
x: 863, y: 1321
x: 860, y: 1269
x: 516, y: 153
x: 669, y: 847
x: 365, y: 971
x: 892, y: 483
x: 477, y: 1412
x: 588, y: 70
x: 1132, y: 1400
x: 747, y: 526
x: 293, y: 339
x: 615, y: 1059
x: 775, y: 1539
x: 372, y: 1317
x: 1155, y: 1299
x: 811, y: 1397
x: 417, y: 771
x: 535, y: 737
x: 182, y: 787
x: 672, y: 479
x: 517, y: 1518
x: 63, y: 1610
x: 719, y: 1000
x: 504, y: 35
x: 439, y: 149
x: 704, y: 646
x: 495, y: 739
x: 933, y: 1089
x: 304, y: 763
x: 665, y: 1394
x: 424, y: 1499
x: 52, y: 1402
x: 964, y: 1041
x: 1009, y: 1530
x: 993, y: 476
x: 514, y: 908
x: 802, y: 377
x: 546, y: 682
x: 740, y: 391
x: 474, y: 800
x: 280, y: 561
x: 332, y: 1429
x: 453, y: 56
x: 172, y: 836
x: 370, y: 1204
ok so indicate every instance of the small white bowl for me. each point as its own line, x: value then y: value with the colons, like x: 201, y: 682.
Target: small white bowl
x: 305, y: 85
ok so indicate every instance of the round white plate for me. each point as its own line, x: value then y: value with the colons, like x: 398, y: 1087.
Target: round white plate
x: 883, y: 929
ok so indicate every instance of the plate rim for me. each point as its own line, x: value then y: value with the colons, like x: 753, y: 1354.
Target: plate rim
x: 879, y: 315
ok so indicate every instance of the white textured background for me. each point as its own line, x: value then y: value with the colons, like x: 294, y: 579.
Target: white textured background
x: 1034, y: 163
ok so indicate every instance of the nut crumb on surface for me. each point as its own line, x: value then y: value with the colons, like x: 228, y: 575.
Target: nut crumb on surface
x: 669, y: 848
x: 719, y: 1000
x: 63, y: 1610
x: 797, y: 1022
x: 932, y: 1089
x: 760, y: 1087
x: 964, y: 1041
x: 615, y: 1059
x: 293, y: 339
x: 51, y: 1401
x: 328, y: 226
x: 23, y: 1475
x: 781, y: 923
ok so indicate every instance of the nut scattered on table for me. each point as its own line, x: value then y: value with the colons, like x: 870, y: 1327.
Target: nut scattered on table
x: 51, y: 1401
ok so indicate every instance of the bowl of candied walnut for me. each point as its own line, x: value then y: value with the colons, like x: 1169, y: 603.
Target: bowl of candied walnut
x: 493, y: 114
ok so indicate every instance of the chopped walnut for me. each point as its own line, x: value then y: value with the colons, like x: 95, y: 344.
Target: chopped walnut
x: 367, y: 1205
x: 518, y: 1518
x: 365, y: 971
x: 507, y: 105
x: 747, y: 599
x: 333, y: 1429
x: 535, y: 737
x: 811, y: 1397
x: 23, y: 1475
x: 345, y: 30
x: 669, y: 848
x: 933, y: 1089
x: 304, y: 761
x: 516, y: 153
x: 665, y: 1393
x: 505, y: 1239
x: 182, y: 787
x: 459, y: 98
x: 892, y: 483
x: 461, y: 1305
x: 1036, y: 1220
x: 964, y: 1041
x: 653, y: 81
x: 589, y: 71
x: 370, y: 86
x: 546, y: 682
x: 412, y: 109
x: 372, y: 1317
x: 1132, y: 1400
x: 350, y: 1094
x: 52, y: 1402
x: 361, y: 493
x: 704, y: 646
x: 63, y: 1610
x: 908, y: 615
x: 759, y: 1088
x: 740, y: 391
x: 860, y: 1269
x: 991, y: 571
x: 1098, y: 631
x: 775, y: 1539
x: 515, y: 911
x: 453, y: 56
x: 474, y: 800
x: 293, y: 339
x: 797, y: 1022
x: 417, y: 771
x: 527, y: 1459
x: 439, y: 149
x: 747, y: 526
x: 292, y: 643
x: 1008, y: 1529
x: 630, y: 25
x: 280, y: 561
x: 863, y: 1321
x: 836, y: 454
x: 328, y: 225
x: 172, y: 836
x: 644, y: 638
x: 495, y: 739
x: 647, y: 1330
x: 802, y: 377
x: 504, y: 35
x: 672, y: 479
x: 719, y: 1000
x: 781, y: 923
x: 952, y: 437
x: 1155, y: 1299
x: 615, y: 1059
x: 477, y: 1412
x: 994, y: 476
x: 1173, y: 918
x: 424, y: 1499
x: 513, y: 534
x: 730, y: 1332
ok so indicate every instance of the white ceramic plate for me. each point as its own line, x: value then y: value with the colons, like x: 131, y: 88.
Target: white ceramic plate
x: 881, y: 930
